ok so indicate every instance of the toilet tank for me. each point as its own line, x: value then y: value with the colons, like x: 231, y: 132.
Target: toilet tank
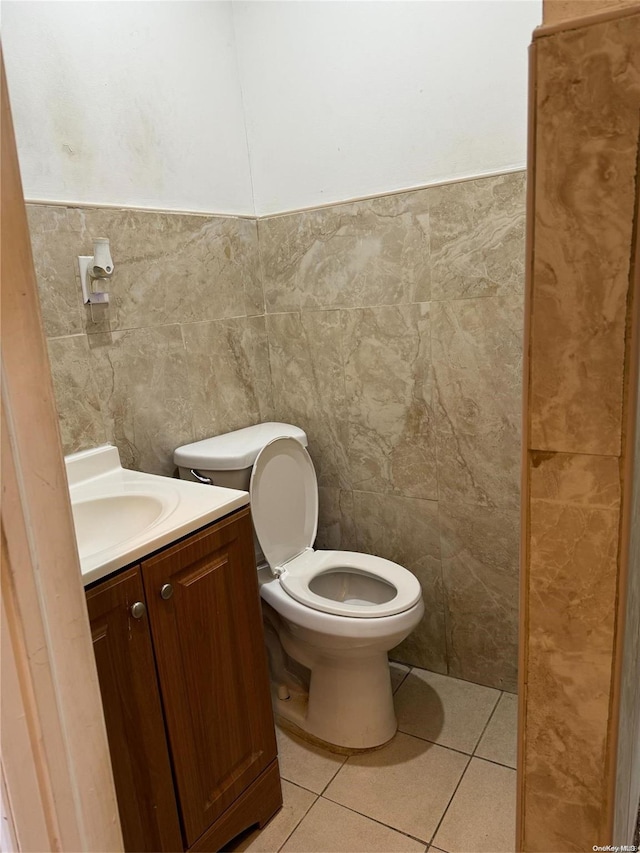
x: 227, y: 459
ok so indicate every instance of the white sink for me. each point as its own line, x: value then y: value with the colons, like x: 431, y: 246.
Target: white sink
x: 102, y: 523
x: 121, y: 516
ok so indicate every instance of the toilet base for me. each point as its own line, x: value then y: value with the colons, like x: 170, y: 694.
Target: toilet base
x: 331, y: 674
x: 349, y: 706
x: 288, y: 725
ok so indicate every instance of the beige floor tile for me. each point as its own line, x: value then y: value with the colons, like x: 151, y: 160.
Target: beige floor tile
x: 304, y: 764
x: 296, y: 802
x: 500, y: 739
x: 482, y: 815
x: 406, y: 785
x: 330, y: 828
x: 444, y: 710
x: 398, y: 674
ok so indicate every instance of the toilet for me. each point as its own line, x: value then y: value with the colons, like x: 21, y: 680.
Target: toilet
x: 330, y: 617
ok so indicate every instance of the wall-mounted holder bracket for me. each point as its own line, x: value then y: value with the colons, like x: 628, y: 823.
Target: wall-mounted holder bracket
x: 89, y: 295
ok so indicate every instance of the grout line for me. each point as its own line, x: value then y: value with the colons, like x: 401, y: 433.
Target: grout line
x: 453, y: 749
x: 406, y: 734
x: 265, y: 314
x: 338, y: 769
x: 446, y: 809
x: 403, y: 679
x: 455, y: 677
x: 299, y: 784
x: 570, y: 453
x: 508, y: 294
x: 612, y: 507
x: 444, y: 589
x: 496, y: 763
x: 375, y: 820
x: 306, y: 812
x: 486, y: 725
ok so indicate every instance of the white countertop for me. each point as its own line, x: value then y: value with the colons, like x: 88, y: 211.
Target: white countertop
x: 122, y: 516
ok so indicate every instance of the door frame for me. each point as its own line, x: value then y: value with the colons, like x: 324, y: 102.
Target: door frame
x: 57, y: 784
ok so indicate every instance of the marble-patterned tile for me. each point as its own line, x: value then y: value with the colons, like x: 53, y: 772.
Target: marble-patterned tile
x: 229, y: 374
x: 56, y: 237
x: 389, y: 389
x: 180, y: 268
x: 583, y: 234
x: 480, y: 558
x: 477, y: 355
x: 81, y: 423
x: 572, y: 594
x: 371, y: 252
x: 142, y: 382
x: 482, y: 815
x: 406, y: 784
x: 477, y: 237
x: 405, y: 530
x: 168, y: 267
x: 574, y: 478
x: 308, y: 387
x: 336, y: 522
x: 574, y: 518
x: 333, y: 829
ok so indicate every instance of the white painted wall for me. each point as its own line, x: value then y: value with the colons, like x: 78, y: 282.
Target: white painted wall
x: 131, y: 103
x: 338, y: 99
x: 345, y: 99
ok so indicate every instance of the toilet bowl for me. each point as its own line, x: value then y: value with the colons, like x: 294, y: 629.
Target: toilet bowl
x: 330, y: 616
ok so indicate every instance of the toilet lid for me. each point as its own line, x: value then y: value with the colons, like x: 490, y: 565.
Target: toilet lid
x: 284, y: 500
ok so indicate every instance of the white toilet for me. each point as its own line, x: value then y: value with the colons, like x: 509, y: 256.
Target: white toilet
x: 330, y: 616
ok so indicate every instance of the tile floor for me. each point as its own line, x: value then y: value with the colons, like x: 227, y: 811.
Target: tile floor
x: 446, y: 782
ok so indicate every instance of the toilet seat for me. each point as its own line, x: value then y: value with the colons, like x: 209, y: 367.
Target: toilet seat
x: 284, y: 504
x: 383, y: 576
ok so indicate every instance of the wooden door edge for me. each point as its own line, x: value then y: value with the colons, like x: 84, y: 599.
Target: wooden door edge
x: 56, y: 769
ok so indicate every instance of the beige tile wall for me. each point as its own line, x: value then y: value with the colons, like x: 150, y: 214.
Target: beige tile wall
x: 392, y: 335
x: 395, y: 332
x: 181, y: 351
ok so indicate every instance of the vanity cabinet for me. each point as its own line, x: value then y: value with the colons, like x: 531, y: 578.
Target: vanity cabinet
x: 186, y: 692
x: 133, y: 714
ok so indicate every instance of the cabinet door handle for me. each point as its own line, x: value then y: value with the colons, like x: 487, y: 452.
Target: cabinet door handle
x: 138, y: 610
x: 166, y: 591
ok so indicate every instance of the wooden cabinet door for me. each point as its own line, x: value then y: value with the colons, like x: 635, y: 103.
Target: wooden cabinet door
x: 133, y: 714
x: 212, y: 667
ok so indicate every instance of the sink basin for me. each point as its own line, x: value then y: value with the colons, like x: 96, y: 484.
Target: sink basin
x: 121, y: 516
x: 107, y: 521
